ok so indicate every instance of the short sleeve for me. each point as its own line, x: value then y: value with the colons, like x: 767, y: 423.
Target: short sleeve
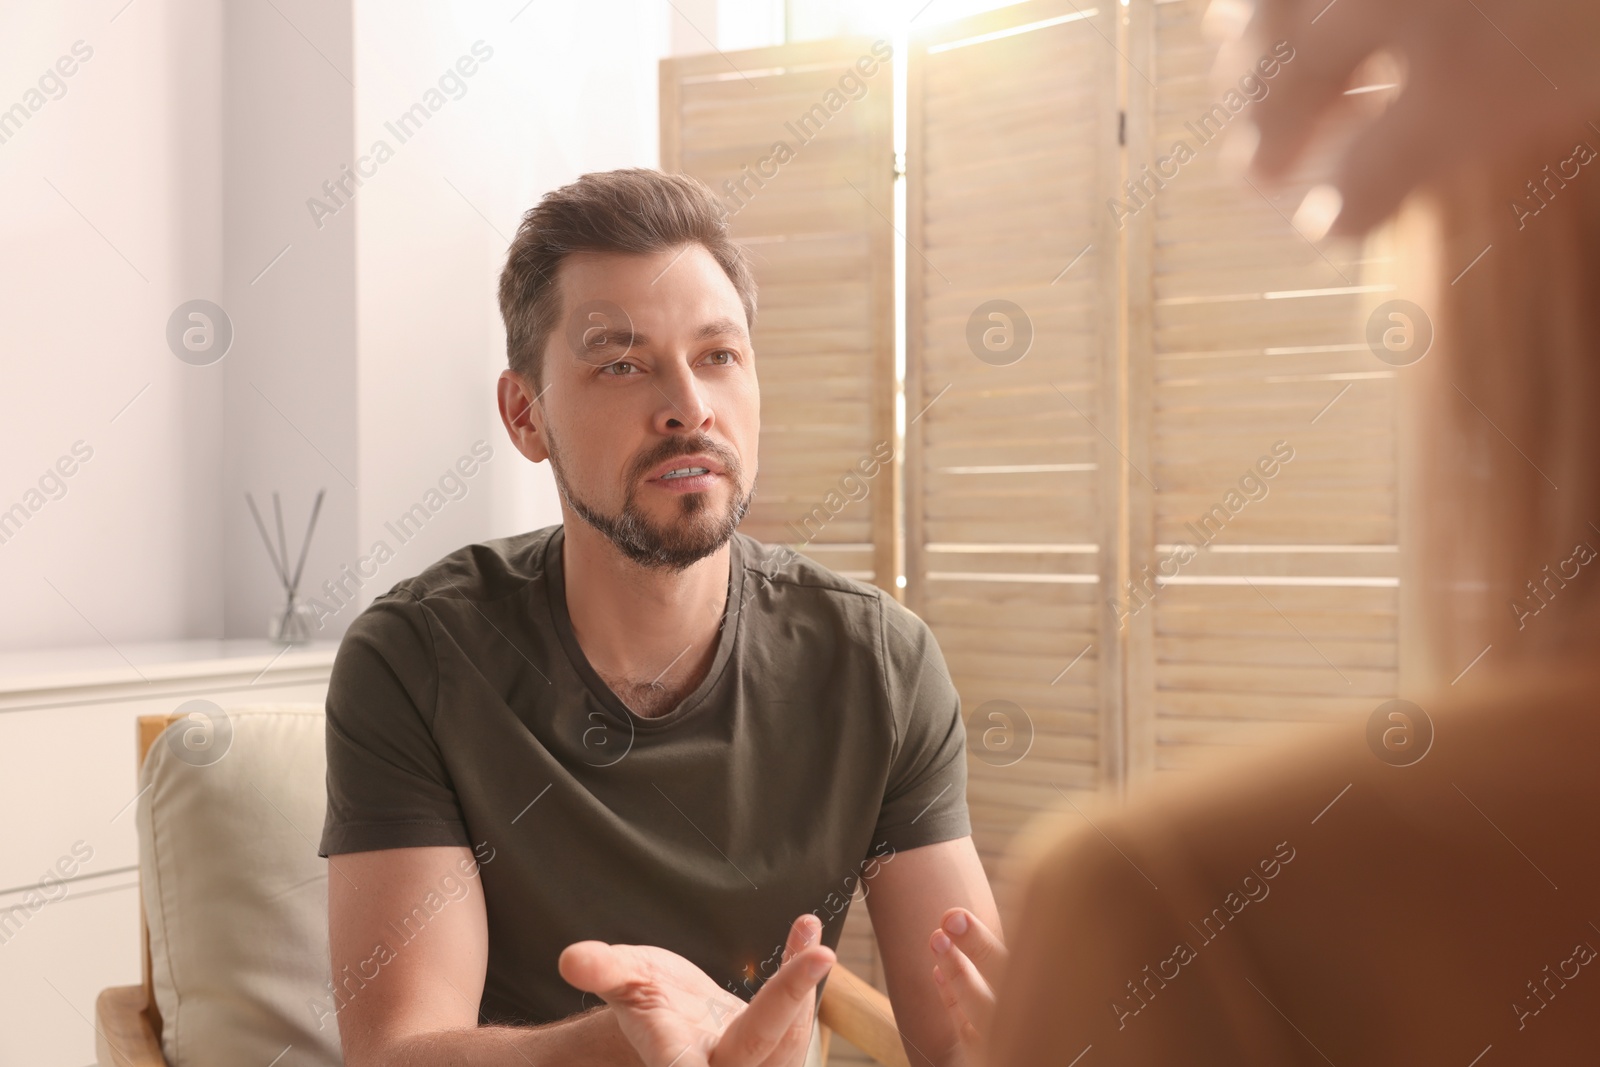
x: 925, y: 798
x: 388, y: 786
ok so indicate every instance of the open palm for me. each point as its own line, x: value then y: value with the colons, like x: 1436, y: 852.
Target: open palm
x: 674, y: 1015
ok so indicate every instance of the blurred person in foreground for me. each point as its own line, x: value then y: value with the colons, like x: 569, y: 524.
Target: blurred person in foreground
x: 1352, y: 901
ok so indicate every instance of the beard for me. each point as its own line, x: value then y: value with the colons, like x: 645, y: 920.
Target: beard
x: 698, y: 531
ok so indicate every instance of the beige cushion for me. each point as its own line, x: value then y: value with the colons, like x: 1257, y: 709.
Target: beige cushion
x: 235, y: 895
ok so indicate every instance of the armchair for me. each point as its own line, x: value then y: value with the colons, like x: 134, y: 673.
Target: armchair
x: 251, y: 952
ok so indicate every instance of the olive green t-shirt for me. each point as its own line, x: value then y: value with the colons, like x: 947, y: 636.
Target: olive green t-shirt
x: 825, y: 739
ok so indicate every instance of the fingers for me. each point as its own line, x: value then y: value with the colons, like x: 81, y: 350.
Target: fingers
x: 1370, y: 153
x: 781, y: 1009
x: 967, y: 995
x: 970, y: 959
x: 605, y: 970
x: 1307, y: 52
x: 975, y: 940
x: 1385, y: 162
x: 802, y: 932
x: 966, y: 1032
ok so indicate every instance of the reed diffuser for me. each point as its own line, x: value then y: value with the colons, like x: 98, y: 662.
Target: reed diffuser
x: 296, y: 623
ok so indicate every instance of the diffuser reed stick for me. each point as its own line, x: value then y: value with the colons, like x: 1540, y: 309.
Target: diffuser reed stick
x: 279, y: 555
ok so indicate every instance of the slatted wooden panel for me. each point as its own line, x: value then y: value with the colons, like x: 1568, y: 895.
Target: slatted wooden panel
x: 813, y: 215
x: 1012, y: 469
x: 1244, y: 334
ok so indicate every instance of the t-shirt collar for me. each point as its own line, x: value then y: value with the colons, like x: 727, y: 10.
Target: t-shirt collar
x: 561, y: 621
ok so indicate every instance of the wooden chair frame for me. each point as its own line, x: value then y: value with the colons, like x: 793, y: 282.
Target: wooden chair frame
x: 128, y: 1023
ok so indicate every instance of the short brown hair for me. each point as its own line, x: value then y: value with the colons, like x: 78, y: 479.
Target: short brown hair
x: 634, y: 211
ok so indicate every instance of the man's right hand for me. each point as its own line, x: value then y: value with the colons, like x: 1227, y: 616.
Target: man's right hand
x: 676, y: 1016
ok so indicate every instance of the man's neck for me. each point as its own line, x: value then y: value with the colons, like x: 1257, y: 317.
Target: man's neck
x: 643, y: 629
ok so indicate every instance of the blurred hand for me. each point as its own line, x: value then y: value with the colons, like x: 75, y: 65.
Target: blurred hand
x: 969, y: 961
x: 1479, y: 79
x: 674, y: 1014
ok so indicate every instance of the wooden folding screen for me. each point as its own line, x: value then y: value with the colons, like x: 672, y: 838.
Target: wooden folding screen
x: 1247, y: 342
x: 1014, y: 427
x: 797, y: 140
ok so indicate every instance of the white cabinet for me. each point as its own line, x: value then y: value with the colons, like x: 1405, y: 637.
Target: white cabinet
x: 67, y: 786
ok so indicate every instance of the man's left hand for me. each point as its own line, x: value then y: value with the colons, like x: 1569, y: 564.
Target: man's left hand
x: 675, y: 1015
x: 969, y: 959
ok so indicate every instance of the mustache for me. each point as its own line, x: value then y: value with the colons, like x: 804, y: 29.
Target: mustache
x: 687, y: 446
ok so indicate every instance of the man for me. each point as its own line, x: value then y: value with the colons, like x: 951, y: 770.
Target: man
x: 593, y: 788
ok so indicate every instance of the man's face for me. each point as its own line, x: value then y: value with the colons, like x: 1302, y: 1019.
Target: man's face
x: 648, y: 382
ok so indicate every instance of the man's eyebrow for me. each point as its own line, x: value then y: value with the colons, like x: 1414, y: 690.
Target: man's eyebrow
x: 622, y: 337
x: 717, y: 328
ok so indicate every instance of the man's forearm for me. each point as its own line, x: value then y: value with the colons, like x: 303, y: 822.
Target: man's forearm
x: 591, y: 1039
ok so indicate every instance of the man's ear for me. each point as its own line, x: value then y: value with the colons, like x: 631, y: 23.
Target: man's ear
x: 522, y: 415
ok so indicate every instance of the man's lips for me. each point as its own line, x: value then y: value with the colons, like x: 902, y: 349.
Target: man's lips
x: 691, y: 483
x: 712, y: 469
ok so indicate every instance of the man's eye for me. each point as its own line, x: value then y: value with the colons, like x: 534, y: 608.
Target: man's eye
x: 612, y: 368
x: 728, y: 357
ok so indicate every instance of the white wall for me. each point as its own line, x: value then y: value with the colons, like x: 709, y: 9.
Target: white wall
x: 364, y: 357
x: 545, y: 103
x: 290, y: 380
x: 111, y: 216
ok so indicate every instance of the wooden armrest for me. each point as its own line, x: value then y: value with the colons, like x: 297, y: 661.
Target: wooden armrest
x: 857, y: 1012
x: 124, y: 1036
